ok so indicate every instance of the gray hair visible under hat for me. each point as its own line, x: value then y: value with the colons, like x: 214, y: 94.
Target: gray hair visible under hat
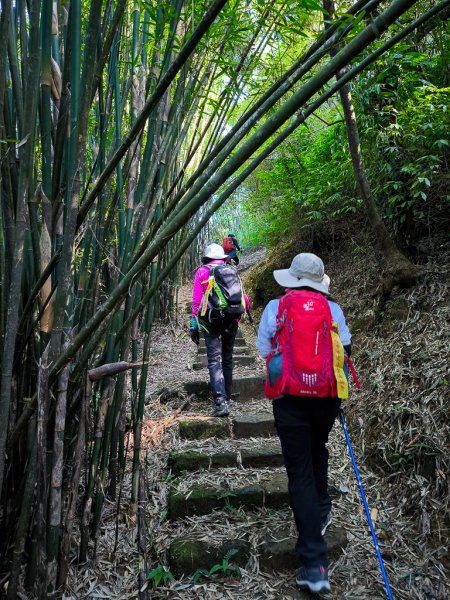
x: 306, y: 270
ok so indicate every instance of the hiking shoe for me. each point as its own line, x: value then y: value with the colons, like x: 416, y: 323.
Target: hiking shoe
x: 221, y: 410
x: 314, y: 579
x: 324, y: 524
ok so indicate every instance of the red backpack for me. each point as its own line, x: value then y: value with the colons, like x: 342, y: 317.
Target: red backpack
x: 307, y: 358
x: 227, y: 244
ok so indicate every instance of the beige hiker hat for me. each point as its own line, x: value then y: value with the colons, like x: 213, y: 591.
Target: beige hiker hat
x: 306, y: 270
x: 214, y: 252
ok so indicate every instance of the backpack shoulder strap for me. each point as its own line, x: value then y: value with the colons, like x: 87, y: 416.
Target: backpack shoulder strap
x: 210, y: 274
x: 210, y: 282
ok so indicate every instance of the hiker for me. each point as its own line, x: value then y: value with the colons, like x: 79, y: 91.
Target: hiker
x: 218, y: 302
x: 230, y: 246
x: 306, y: 328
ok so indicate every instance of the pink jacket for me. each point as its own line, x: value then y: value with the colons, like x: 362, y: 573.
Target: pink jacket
x: 200, y: 285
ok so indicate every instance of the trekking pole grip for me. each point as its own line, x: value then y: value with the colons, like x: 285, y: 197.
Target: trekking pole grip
x: 366, y: 507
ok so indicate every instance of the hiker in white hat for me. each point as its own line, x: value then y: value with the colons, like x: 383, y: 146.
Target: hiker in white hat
x: 304, y: 336
x: 218, y: 302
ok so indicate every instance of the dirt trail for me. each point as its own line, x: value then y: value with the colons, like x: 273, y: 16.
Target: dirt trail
x: 354, y: 574
x: 250, y: 259
x: 415, y: 570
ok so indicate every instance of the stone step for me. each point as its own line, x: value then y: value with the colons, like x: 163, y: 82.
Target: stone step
x: 238, y: 361
x: 250, y: 426
x: 246, y: 388
x: 264, y: 455
x: 236, y: 350
x: 239, y: 341
x: 276, y: 553
x: 271, y: 493
x: 240, y: 426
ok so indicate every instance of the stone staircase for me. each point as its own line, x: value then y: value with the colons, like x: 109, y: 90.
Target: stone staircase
x: 227, y: 470
x: 241, y: 355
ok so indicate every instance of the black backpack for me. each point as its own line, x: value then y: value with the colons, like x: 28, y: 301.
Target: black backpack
x: 225, y: 290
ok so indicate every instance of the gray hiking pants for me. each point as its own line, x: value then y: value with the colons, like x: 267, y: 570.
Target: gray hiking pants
x: 219, y: 351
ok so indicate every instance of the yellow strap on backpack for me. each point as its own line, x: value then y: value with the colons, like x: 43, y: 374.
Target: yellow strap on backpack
x: 338, y: 362
x: 204, y: 302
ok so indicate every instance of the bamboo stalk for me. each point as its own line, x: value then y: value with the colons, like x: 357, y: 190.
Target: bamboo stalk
x: 112, y: 369
x: 15, y: 77
x: 23, y: 522
x: 26, y: 158
x: 77, y: 148
x: 106, y: 49
x: 4, y: 36
x: 93, y: 470
x: 142, y: 540
x: 55, y: 506
x: 139, y: 412
x: 72, y: 497
x: 45, y: 107
x: 41, y: 468
x: 161, y: 88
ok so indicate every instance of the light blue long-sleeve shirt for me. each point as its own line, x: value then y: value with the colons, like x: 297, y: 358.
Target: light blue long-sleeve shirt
x: 268, y: 323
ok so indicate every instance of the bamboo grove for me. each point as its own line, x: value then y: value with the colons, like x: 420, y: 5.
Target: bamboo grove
x: 124, y: 126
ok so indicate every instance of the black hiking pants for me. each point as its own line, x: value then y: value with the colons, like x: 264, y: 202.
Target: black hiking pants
x: 219, y: 350
x: 233, y: 257
x: 303, y: 425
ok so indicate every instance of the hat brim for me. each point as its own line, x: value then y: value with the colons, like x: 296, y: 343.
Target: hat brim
x: 221, y: 257
x: 286, y: 280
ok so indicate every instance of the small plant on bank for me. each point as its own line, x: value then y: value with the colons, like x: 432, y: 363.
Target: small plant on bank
x: 225, y: 568
x: 159, y: 575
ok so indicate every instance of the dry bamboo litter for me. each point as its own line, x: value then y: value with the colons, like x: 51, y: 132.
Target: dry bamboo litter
x: 404, y: 503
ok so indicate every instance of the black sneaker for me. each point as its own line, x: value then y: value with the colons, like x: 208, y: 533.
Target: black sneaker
x: 221, y: 410
x: 314, y: 579
x: 324, y: 524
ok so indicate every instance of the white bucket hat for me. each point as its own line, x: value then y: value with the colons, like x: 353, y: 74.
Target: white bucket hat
x: 214, y: 252
x: 306, y: 270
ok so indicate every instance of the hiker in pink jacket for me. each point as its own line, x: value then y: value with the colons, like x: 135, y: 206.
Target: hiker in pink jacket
x: 218, y: 320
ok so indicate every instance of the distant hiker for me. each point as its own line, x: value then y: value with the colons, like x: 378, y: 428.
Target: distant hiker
x: 218, y: 302
x: 230, y: 246
x: 304, y: 337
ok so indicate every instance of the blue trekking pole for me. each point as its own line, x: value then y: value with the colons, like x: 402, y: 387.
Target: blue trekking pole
x: 366, y: 507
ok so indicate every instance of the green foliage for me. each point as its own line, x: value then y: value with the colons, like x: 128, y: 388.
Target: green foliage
x: 308, y: 179
x: 223, y: 569
x: 402, y: 111
x: 424, y: 130
x: 159, y: 576
x: 412, y: 454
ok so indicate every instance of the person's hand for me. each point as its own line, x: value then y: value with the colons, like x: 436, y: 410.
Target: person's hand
x: 195, y: 337
x: 193, y: 330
